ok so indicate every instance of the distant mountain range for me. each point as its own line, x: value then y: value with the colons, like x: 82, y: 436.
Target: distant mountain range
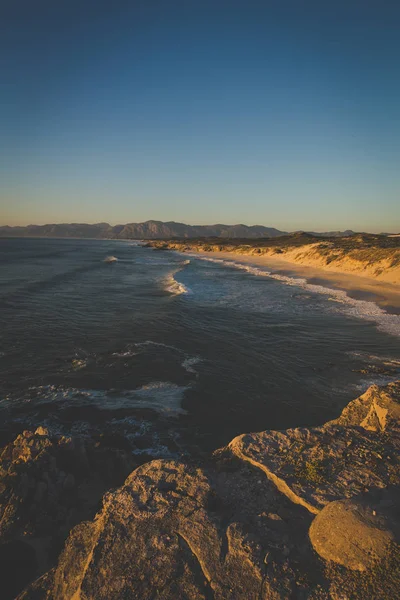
x: 149, y: 230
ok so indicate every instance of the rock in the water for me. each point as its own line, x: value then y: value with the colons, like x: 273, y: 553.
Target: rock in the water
x: 42, y: 431
x: 354, y: 533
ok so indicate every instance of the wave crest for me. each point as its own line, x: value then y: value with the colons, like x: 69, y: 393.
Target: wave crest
x: 162, y: 396
x: 174, y: 287
x: 362, y: 309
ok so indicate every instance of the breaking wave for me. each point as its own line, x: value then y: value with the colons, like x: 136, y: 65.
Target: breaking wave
x: 162, y: 396
x: 124, y: 354
x: 151, y: 343
x: 189, y: 363
x: 362, y: 309
x: 174, y: 287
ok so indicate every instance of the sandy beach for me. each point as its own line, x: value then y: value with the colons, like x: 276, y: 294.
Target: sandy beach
x: 385, y: 295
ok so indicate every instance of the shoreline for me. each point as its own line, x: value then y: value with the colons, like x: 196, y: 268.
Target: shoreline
x: 385, y: 295
x: 275, y: 511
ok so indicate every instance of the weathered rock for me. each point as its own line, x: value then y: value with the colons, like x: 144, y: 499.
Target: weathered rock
x: 42, y: 431
x: 47, y: 485
x: 376, y: 410
x: 312, y: 467
x: 176, y: 531
x: 223, y: 531
x: 357, y: 532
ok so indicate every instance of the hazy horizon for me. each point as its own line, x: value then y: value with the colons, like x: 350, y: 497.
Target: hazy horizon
x: 114, y: 224
x: 227, y: 221
x: 211, y: 112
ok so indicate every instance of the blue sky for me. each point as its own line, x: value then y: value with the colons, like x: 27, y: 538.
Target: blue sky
x: 281, y: 113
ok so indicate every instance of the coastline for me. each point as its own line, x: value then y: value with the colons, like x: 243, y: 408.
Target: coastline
x: 386, y: 295
x: 273, y: 514
x: 270, y: 514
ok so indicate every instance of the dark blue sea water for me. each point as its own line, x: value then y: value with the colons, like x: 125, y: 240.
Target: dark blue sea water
x: 178, y: 353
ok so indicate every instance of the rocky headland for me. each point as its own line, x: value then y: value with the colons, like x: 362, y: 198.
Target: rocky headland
x: 304, y: 513
x: 367, y: 255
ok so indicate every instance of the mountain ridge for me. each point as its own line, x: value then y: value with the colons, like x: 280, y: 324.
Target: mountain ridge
x: 151, y: 229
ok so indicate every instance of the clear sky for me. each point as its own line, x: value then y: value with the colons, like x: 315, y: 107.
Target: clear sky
x: 284, y: 113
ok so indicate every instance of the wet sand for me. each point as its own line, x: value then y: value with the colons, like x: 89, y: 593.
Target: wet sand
x: 385, y: 295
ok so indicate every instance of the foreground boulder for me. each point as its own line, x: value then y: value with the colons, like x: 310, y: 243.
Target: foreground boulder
x: 357, y: 532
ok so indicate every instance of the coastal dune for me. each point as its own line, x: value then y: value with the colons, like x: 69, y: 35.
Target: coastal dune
x: 383, y: 266
x: 367, y: 256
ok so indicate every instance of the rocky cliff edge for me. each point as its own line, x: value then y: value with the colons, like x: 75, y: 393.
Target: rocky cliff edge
x: 302, y: 513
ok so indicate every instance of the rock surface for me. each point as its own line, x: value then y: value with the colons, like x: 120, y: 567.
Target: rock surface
x: 172, y: 532
x: 47, y: 485
x: 377, y: 410
x: 357, y: 452
x: 356, y: 532
x: 242, y: 526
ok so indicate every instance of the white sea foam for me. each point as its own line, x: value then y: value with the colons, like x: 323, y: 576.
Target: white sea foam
x: 387, y: 361
x: 366, y: 382
x: 126, y: 354
x: 156, y: 451
x: 175, y: 287
x: 189, y: 363
x: 151, y: 343
x: 162, y: 396
x: 362, y: 309
x: 172, y: 285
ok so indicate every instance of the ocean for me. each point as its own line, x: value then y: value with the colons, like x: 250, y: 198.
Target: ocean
x: 175, y: 354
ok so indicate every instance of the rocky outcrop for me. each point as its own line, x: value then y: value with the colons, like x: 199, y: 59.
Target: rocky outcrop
x: 179, y: 531
x: 357, y: 532
x: 47, y: 485
x: 377, y: 410
x: 357, y: 452
x: 305, y: 513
